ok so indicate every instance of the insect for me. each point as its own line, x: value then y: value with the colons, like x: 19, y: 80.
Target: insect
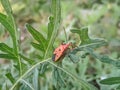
x: 60, y: 51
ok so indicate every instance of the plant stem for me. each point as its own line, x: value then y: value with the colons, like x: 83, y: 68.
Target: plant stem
x: 28, y: 72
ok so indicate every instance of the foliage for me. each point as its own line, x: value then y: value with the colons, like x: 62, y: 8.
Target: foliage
x: 36, y: 70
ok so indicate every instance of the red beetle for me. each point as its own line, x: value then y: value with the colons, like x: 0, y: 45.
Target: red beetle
x: 60, y: 51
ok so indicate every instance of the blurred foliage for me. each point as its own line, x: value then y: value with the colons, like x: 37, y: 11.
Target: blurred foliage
x: 102, y: 17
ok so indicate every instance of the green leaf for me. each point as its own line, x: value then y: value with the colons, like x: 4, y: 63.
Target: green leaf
x: 83, y: 33
x: 8, y: 9
x: 4, y: 21
x: 95, y: 44
x: 86, y: 41
x: 9, y: 23
x: 10, y: 77
x: 56, y: 10
x: 37, y: 46
x: 73, y: 58
x: 110, y: 81
x: 43, y: 67
x: 118, y: 88
x: 59, y: 82
x: 40, y: 57
x: 7, y: 6
x: 103, y: 58
x: 8, y: 56
x: 53, y: 26
x: 6, y: 48
x: 27, y: 59
x: 37, y: 36
x: 50, y: 27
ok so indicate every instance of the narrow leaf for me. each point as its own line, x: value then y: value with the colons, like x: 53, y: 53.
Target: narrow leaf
x: 6, y: 6
x: 118, y: 88
x: 6, y: 48
x: 103, y: 58
x: 7, y: 25
x: 86, y: 40
x: 37, y: 35
x: 50, y: 27
x: 110, y: 81
x: 10, y: 77
x: 83, y: 33
x: 40, y: 57
x: 73, y: 58
x: 58, y: 78
x: 54, y: 20
x: 56, y: 10
x: 43, y: 67
x: 37, y: 46
x: 95, y: 44
x: 27, y: 59
x: 8, y: 56
x: 8, y: 9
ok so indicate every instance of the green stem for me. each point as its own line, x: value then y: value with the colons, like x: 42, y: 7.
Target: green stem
x: 20, y: 78
x: 15, y: 43
x: 6, y: 5
x: 56, y: 15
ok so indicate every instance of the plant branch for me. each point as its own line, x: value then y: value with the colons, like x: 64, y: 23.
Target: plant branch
x: 20, y: 78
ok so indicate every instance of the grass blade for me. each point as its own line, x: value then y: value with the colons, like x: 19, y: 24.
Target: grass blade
x: 37, y: 46
x: 110, y: 81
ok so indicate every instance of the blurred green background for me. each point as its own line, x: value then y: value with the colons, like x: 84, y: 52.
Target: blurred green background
x: 101, y: 16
